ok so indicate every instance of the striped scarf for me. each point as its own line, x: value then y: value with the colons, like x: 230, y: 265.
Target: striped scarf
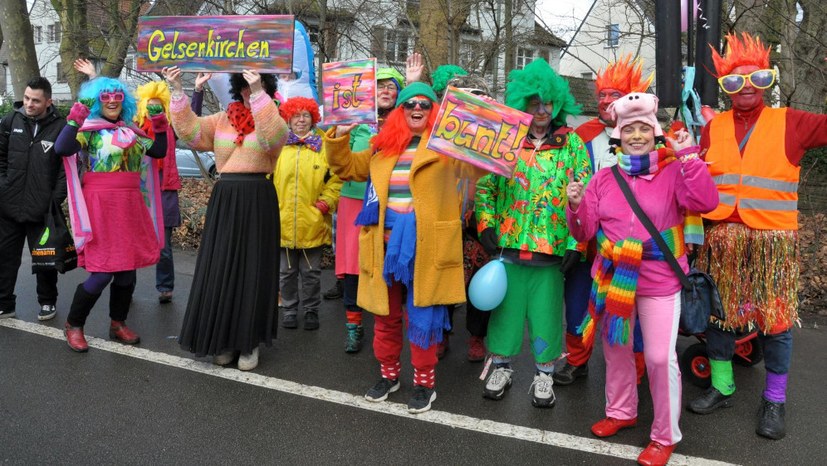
x: 647, y: 164
x: 615, y: 282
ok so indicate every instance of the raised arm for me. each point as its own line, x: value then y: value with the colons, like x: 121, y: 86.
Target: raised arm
x: 345, y: 164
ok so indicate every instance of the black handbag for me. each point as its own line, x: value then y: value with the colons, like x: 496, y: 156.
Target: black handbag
x: 699, y: 298
x: 53, y: 248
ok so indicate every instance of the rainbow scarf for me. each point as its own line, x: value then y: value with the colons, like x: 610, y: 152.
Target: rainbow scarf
x: 647, y: 164
x: 615, y: 282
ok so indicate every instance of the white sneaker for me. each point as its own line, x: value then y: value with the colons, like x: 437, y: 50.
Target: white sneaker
x: 248, y: 362
x: 542, y: 391
x: 498, y: 382
x: 224, y: 358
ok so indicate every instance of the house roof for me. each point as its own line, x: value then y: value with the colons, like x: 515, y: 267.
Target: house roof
x: 543, y: 36
x: 583, y: 91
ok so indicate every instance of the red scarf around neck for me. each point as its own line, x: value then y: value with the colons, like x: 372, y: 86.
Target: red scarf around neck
x: 241, y: 118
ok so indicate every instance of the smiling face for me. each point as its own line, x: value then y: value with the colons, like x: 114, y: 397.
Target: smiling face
x: 111, y: 108
x: 386, y: 94
x: 604, y: 98
x: 417, y: 117
x: 637, y: 138
x: 749, y: 97
x: 301, y: 122
x: 35, y: 102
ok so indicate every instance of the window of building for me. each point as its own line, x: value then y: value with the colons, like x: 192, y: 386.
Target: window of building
x: 396, y: 46
x: 61, y: 74
x: 38, y: 34
x: 53, y: 32
x: 612, y: 35
x: 587, y: 75
x: 523, y: 58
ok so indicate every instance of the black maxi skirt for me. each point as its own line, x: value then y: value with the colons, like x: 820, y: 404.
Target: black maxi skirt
x: 232, y: 301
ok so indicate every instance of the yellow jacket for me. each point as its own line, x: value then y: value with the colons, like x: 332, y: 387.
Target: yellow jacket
x: 303, y: 177
x: 438, y: 272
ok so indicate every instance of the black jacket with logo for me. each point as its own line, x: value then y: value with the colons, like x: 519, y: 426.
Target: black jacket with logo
x: 31, y: 174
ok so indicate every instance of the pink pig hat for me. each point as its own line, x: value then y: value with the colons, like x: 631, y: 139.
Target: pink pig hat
x: 635, y: 107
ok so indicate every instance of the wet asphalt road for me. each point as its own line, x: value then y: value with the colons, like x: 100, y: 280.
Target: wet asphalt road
x: 106, y: 406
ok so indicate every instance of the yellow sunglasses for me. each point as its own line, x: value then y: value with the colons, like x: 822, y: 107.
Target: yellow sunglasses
x: 759, y: 79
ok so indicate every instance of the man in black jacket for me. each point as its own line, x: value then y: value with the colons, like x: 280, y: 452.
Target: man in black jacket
x: 31, y: 175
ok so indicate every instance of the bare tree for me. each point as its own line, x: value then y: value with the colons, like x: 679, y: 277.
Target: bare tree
x: 14, y: 21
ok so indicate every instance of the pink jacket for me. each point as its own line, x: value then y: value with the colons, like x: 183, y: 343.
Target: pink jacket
x: 665, y: 198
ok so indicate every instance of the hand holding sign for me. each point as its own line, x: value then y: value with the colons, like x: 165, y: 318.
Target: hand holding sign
x: 173, y: 76
x: 253, y: 78
x: 200, y: 80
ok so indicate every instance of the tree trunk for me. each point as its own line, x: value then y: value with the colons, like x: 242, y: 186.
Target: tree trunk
x: 74, y: 42
x: 123, y: 18
x: 14, y: 21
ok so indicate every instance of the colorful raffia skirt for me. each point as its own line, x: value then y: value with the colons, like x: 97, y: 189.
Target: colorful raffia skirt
x: 757, y: 273
x: 124, y: 237
x: 232, y: 301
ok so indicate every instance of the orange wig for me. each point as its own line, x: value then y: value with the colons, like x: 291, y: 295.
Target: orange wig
x: 395, y: 135
x: 295, y: 105
x: 749, y: 50
x: 625, y: 75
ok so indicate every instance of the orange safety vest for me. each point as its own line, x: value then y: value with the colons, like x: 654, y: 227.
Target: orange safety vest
x: 763, y: 184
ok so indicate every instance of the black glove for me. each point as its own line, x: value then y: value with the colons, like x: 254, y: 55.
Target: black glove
x: 489, y: 241
x: 570, y: 258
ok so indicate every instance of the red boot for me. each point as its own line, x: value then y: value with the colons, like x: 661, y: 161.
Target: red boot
x: 120, y: 332
x: 655, y: 454
x: 476, y: 349
x: 75, y: 338
x: 609, y: 426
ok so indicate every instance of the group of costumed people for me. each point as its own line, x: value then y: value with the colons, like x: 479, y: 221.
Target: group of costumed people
x: 413, y: 225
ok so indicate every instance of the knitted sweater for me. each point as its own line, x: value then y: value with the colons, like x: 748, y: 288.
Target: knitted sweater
x: 257, y: 153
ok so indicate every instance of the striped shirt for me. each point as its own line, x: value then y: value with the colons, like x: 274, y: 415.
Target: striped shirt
x: 400, y: 199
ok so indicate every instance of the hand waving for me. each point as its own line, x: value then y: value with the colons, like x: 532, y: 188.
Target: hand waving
x: 413, y: 68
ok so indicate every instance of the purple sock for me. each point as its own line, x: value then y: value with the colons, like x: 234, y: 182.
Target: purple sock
x: 776, y: 390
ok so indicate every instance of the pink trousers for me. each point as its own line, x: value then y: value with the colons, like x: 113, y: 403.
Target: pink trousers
x: 659, y: 317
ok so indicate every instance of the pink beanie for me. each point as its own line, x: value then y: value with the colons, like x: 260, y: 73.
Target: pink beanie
x: 633, y: 108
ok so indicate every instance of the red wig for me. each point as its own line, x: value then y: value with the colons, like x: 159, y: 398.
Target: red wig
x: 749, y: 50
x: 395, y: 135
x: 295, y: 105
x: 625, y: 75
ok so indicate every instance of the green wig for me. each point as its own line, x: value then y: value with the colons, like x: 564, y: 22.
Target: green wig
x: 538, y: 79
x: 442, y: 74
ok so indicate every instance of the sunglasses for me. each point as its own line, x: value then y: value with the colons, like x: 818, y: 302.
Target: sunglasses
x: 423, y: 104
x: 759, y: 79
x: 116, y: 96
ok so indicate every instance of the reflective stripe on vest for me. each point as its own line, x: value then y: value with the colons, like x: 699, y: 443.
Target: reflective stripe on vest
x: 762, y: 184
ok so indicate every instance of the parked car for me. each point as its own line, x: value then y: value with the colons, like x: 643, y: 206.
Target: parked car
x: 188, y: 166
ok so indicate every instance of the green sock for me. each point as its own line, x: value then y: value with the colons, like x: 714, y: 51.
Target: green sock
x: 722, y: 378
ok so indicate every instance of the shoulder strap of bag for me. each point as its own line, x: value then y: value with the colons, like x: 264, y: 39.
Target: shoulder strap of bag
x: 667, y: 253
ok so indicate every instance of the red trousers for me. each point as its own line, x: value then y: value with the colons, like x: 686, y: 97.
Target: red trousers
x: 387, y: 341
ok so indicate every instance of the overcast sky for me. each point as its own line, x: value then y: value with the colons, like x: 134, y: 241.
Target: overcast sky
x: 563, y: 16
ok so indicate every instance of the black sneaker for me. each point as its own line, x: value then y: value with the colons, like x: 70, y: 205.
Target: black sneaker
x: 47, y: 311
x: 421, y: 399
x: 568, y: 374
x: 771, y: 420
x: 711, y: 400
x: 290, y: 321
x: 380, y: 391
x: 7, y: 314
x: 311, y: 320
x: 335, y: 292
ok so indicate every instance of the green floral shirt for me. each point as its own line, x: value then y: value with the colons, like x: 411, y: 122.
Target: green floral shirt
x: 106, y: 157
x: 528, y: 210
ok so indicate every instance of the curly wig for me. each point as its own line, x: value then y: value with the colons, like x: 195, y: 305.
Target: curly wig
x: 295, y: 105
x: 442, y: 74
x: 237, y: 83
x: 92, y: 90
x: 395, y: 135
x: 538, y: 79
x: 625, y: 75
x: 749, y: 50
x: 151, y: 90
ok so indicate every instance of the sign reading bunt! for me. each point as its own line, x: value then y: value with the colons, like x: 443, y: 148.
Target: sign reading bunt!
x: 349, y: 92
x: 216, y: 43
x: 483, y: 133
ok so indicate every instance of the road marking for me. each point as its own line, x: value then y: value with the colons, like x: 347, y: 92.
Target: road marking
x: 545, y: 437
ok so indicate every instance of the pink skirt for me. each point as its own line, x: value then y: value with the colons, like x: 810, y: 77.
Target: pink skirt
x: 347, y: 237
x: 123, y: 237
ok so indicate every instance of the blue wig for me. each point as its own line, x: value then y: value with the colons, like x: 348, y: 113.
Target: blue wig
x: 93, y: 88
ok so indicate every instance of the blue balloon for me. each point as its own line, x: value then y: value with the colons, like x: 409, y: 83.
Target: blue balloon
x: 487, y: 288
